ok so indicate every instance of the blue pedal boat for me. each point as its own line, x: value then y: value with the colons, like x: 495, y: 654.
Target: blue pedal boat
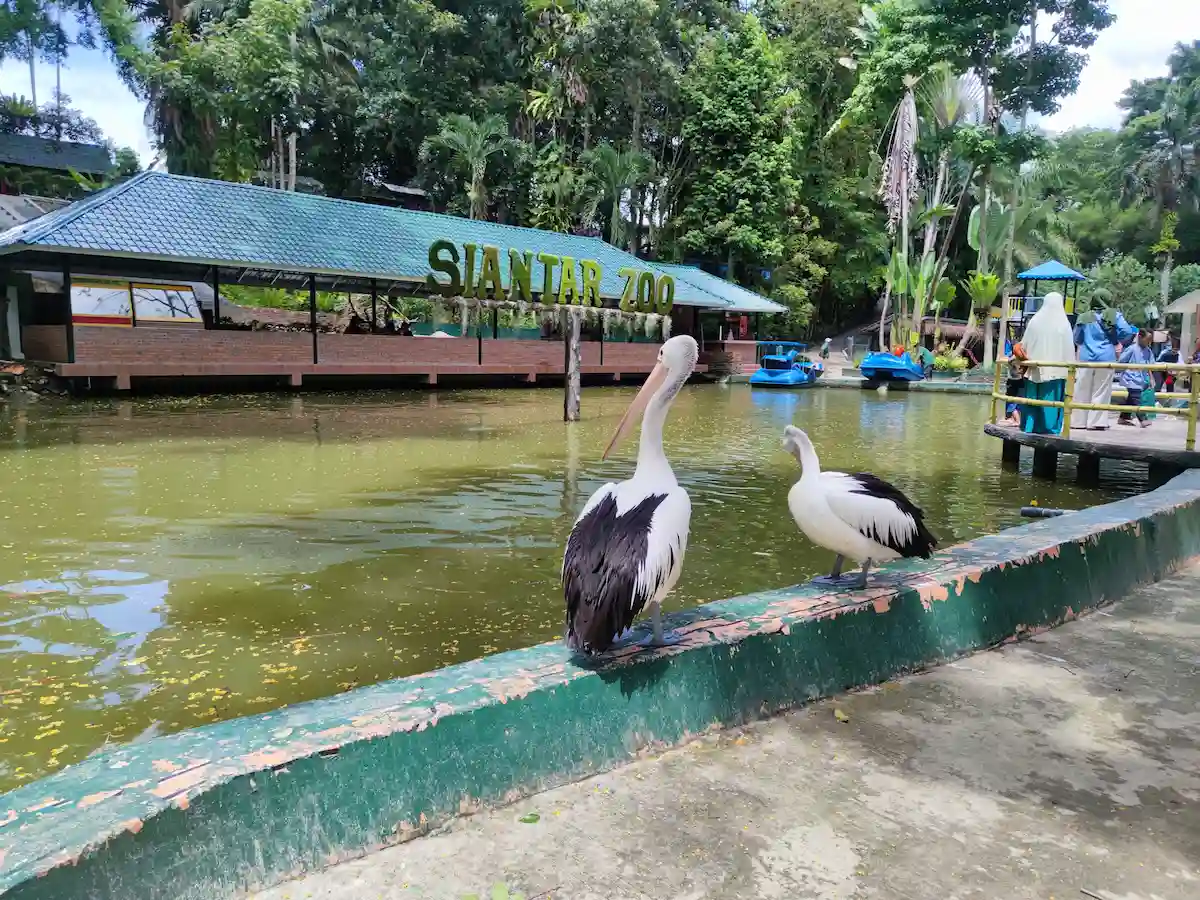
x: 889, y: 367
x: 785, y: 367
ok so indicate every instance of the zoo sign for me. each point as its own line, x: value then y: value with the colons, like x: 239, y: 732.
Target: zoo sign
x: 565, y: 280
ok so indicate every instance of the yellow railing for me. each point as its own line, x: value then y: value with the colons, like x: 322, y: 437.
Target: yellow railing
x: 1067, y: 404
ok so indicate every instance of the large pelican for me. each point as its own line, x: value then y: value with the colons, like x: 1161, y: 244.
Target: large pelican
x: 858, y: 517
x: 626, y: 548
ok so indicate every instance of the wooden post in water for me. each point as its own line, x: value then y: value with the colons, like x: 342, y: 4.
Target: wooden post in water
x: 571, y: 364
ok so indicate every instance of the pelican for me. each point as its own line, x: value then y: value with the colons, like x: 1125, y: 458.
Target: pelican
x: 858, y: 517
x: 626, y: 548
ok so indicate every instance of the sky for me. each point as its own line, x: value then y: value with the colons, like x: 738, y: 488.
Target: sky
x: 1135, y: 47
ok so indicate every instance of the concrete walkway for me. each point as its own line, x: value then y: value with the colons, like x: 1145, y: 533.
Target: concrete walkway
x: 1067, y: 766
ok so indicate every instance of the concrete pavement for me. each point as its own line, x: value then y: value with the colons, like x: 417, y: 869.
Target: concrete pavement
x: 1067, y: 766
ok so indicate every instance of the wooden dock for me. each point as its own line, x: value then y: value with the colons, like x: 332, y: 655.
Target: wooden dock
x: 1161, y: 446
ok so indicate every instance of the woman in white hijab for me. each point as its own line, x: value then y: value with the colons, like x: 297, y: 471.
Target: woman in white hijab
x: 1048, y: 338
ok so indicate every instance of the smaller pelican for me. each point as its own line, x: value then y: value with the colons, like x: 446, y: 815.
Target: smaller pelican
x: 626, y: 548
x: 859, y: 517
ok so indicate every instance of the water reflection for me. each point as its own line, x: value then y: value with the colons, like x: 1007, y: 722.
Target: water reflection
x: 171, y: 562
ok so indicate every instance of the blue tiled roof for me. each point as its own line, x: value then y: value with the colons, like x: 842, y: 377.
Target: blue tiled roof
x: 1051, y: 271
x: 45, y: 153
x: 156, y: 216
x: 737, y: 298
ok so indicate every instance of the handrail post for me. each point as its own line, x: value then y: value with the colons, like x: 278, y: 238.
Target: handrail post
x: 1194, y: 398
x: 996, y: 388
x: 1068, y: 396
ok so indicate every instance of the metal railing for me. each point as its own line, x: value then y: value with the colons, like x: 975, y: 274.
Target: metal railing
x: 1068, y: 404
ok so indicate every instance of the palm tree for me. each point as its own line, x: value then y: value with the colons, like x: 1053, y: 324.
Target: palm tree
x: 613, y: 173
x: 1163, y: 124
x: 472, y: 146
x: 898, y: 187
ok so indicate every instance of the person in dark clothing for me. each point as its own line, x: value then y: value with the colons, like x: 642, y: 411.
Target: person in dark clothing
x: 1168, y: 354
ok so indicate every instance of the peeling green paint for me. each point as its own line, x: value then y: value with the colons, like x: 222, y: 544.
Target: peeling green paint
x: 219, y: 810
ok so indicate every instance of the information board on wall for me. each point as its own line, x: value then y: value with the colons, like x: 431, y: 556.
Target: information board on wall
x: 126, y: 303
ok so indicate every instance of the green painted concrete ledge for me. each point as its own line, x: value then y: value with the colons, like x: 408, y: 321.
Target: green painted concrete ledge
x: 217, y: 811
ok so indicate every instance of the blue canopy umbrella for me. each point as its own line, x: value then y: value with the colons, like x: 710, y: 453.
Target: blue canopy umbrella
x: 1049, y: 271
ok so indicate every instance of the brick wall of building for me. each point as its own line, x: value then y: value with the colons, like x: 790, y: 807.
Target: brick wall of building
x: 189, y: 345
x: 391, y: 349
x: 181, y: 347
x: 44, y: 343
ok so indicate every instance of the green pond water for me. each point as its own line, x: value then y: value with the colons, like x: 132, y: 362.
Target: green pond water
x: 167, y: 563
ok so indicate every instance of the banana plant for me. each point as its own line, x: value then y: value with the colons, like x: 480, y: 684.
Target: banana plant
x: 896, y: 280
x: 999, y: 216
x: 920, y: 287
x: 943, y: 299
x: 983, y: 288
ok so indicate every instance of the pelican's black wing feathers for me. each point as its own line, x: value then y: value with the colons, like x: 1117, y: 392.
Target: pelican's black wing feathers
x: 880, y: 511
x: 605, y: 554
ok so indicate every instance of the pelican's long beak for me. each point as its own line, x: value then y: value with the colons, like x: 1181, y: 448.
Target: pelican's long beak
x: 637, y: 407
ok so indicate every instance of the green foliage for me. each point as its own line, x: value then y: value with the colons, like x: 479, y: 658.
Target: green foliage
x: 983, y: 288
x: 614, y: 172
x: 1167, y: 243
x: 1121, y: 282
x: 950, y: 363
x: 472, y: 146
x: 280, y: 298
x: 737, y: 202
x: 999, y: 218
x: 1184, y: 280
x: 911, y: 37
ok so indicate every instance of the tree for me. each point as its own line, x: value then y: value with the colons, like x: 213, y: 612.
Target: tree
x: 1122, y: 282
x: 736, y: 197
x: 472, y: 146
x: 907, y: 38
x: 615, y: 172
x: 1162, y: 127
x: 56, y: 120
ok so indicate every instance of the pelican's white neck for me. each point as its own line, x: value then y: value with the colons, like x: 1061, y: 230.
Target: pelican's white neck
x: 652, y: 460
x: 802, y: 448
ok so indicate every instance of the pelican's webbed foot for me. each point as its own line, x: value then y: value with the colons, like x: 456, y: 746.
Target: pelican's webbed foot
x: 856, y: 581
x: 665, y: 639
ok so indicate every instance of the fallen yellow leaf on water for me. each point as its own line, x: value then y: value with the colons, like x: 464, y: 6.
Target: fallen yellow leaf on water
x: 840, y: 716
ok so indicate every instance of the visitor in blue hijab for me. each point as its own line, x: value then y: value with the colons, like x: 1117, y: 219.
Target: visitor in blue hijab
x: 1097, y: 342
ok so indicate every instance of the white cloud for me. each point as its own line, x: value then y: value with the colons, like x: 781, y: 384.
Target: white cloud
x: 1136, y: 46
x: 91, y: 81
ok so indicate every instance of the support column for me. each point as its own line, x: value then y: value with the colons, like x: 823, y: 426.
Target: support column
x: 571, y: 387
x: 312, y: 314
x: 1010, y: 456
x: 1045, y: 463
x: 495, y: 324
x: 70, y: 326
x: 216, y: 297
x: 374, y: 306
x: 1088, y: 470
x: 1161, y: 473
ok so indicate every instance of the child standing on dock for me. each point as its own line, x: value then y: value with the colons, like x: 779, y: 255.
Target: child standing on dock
x: 1135, y: 380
